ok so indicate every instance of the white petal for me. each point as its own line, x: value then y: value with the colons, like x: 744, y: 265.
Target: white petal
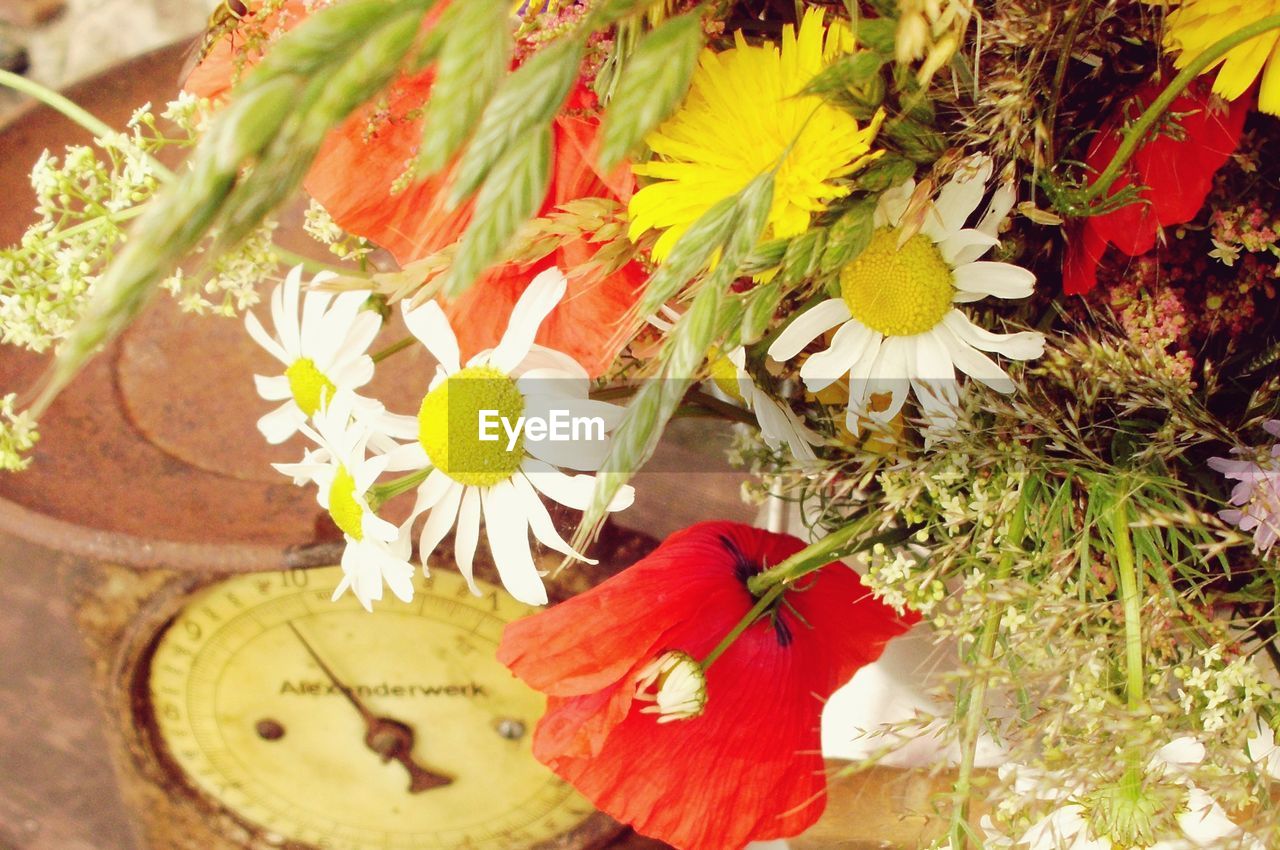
x: 535, y: 304
x: 544, y: 528
x: 375, y: 527
x: 861, y: 372
x: 264, y: 339
x: 611, y: 415
x: 353, y: 374
x: 572, y: 491
x: 962, y: 194
x: 977, y: 365
x: 407, y: 456
x: 441, y: 519
x: 965, y: 246
x: 888, y: 375
x: 1002, y: 280
x: 826, y: 367
x: 281, y: 423
x: 429, y: 325
x: 928, y: 358
x: 1002, y: 201
x: 284, y: 312
x: 779, y: 424
x: 807, y: 327
x: 584, y: 455
x: 467, y: 534
x: 893, y: 203
x: 541, y: 357
x: 1025, y: 345
x: 273, y: 388
x: 399, y: 426
x: 315, y: 344
x: 507, y: 527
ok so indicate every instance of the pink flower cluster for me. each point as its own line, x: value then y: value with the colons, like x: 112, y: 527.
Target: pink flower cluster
x: 1256, y: 498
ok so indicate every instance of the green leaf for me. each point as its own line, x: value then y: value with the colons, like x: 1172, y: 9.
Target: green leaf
x: 653, y: 82
x: 691, y: 254
x: 529, y: 98
x: 804, y: 253
x: 849, y: 236
x: 473, y: 60
x: 878, y: 34
x: 849, y: 72
x: 886, y: 172
x: 510, y: 196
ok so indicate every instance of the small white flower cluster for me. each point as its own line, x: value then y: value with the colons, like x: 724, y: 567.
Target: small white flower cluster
x: 320, y: 226
x: 84, y: 200
x: 1222, y: 694
x: 17, y: 436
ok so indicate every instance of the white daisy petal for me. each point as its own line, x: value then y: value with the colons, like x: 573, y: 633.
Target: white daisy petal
x: 284, y: 312
x: 893, y: 203
x: 610, y: 415
x: 999, y: 279
x: 312, y: 332
x: 262, y: 338
x: 962, y: 194
x: 429, y: 325
x: 273, y: 388
x: 889, y: 376
x: 861, y: 371
x: 441, y: 519
x: 1025, y: 345
x: 536, y: 303
x: 584, y: 455
x: 540, y: 522
x: 965, y: 246
x: 778, y: 424
x: 466, y: 535
x: 807, y: 327
x: 826, y: 367
x: 1002, y: 201
x: 541, y: 357
x: 977, y: 365
x: 572, y: 491
x: 506, y: 526
x: 281, y: 423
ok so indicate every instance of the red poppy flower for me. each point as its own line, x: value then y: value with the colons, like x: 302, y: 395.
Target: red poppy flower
x: 1176, y: 170
x: 747, y: 768
x: 357, y: 174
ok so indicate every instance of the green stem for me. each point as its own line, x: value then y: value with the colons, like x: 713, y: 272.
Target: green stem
x: 1131, y: 598
x: 399, y: 345
x: 60, y: 104
x: 972, y: 704
x: 1137, y: 131
x: 770, y: 584
x: 380, y: 494
x: 292, y: 258
x: 1060, y: 74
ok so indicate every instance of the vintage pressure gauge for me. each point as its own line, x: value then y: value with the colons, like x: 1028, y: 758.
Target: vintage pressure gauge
x: 316, y: 722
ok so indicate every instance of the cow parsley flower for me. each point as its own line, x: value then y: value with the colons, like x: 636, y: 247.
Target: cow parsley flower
x: 897, y: 322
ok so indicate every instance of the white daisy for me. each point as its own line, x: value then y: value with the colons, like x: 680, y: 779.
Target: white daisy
x: 376, y: 552
x: 501, y: 479
x: 778, y: 422
x: 898, y: 328
x: 322, y: 353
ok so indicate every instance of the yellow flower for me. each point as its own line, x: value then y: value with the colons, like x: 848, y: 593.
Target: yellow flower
x: 1196, y: 24
x: 742, y: 118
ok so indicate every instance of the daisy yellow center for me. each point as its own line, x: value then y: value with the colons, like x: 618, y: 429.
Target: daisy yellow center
x: 310, y: 387
x: 898, y: 291
x: 344, y: 507
x: 449, y: 426
x: 724, y: 374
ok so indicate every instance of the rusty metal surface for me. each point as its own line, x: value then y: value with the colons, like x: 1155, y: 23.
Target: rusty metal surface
x: 151, y: 456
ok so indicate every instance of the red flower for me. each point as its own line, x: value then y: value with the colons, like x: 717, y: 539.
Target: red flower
x: 1176, y: 170
x: 356, y: 177
x: 749, y: 767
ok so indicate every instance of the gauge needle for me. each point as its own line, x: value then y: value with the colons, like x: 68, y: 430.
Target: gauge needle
x: 387, y: 737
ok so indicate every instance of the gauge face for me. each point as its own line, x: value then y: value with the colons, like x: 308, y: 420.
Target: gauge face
x: 323, y: 724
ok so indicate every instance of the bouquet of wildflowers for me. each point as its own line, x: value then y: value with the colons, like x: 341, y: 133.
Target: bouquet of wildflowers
x: 989, y: 287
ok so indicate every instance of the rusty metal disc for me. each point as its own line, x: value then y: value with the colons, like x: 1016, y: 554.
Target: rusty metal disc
x: 151, y: 457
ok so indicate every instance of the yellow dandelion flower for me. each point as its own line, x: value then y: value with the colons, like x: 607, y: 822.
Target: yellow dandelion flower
x: 1195, y: 25
x: 742, y: 118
